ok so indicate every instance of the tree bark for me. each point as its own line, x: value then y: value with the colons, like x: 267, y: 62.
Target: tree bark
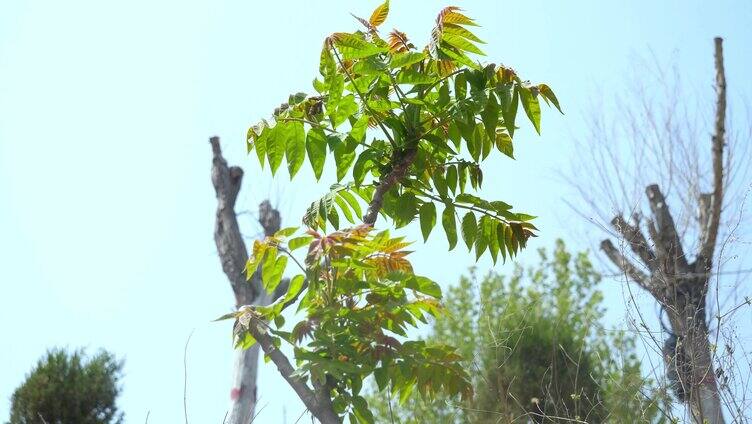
x: 679, y: 286
x: 233, y: 255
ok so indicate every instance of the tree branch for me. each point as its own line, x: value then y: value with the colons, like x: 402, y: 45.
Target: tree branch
x: 709, y: 233
x: 626, y: 266
x: 401, y: 161
x: 665, y: 232
x: 318, y: 407
x: 636, y: 240
x: 227, y: 236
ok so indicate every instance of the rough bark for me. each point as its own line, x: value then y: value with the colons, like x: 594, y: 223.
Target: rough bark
x: 681, y: 286
x: 233, y: 255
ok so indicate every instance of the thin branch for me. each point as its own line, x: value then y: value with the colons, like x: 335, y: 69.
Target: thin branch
x: 625, y: 265
x: 185, y: 378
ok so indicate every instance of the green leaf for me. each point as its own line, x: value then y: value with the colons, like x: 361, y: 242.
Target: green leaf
x: 404, y: 209
x: 490, y: 116
x: 480, y: 241
x: 531, y: 106
x: 439, y: 182
x: 469, y: 228
x: 352, y: 46
x: 411, y: 76
x: 352, y: 201
x: 275, y: 146
x: 379, y: 14
x: 510, y: 112
x: 476, y: 146
x: 369, y: 66
x: 490, y: 234
x: 500, y: 240
x: 427, y: 219
x: 298, y: 242
x: 381, y: 375
x: 296, y: 146
x: 461, y: 43
x: 344, y: 208
x: 361, y: 410
x: 231, y: 315
x: 460, y: 86
x: 327, y: 65
x: 548, y: 94
x: 455, y: 29
x: 451, y: 178
x: 364, y: 164
x: 316, y: 148
x: 504, y: 143
x: 424, y: 285
x: 345, y: 108
x: 400, y: 60
x: 450, y: 226
x: 358, y: 131
x: 260, y: 142
x: 459, y: 57
x: 286, y: 232
x: 344, y: 156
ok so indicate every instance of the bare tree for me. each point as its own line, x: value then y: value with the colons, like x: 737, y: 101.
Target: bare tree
x: 233, y: 254
x: 677, y: 259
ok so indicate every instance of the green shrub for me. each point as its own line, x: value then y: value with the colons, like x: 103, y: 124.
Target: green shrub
x: 69, y: 388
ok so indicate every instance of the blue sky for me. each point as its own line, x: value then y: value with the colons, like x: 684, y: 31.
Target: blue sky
x: 107, y: 207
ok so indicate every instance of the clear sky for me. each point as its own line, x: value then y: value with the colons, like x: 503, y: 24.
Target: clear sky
x: 106, y: 205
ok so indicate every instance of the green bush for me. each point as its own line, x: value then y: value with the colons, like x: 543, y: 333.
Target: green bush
x: 537, y: 352
x: 69, y: 388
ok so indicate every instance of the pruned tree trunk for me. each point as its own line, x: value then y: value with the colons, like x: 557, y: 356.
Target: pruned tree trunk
x: 681, y: 286
x: 233, y: 256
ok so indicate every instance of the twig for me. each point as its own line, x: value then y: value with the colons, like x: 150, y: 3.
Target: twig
x: 185, y: 377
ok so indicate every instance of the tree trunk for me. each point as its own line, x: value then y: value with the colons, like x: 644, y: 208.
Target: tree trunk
x: 679, y: 286
x: 233, y: 255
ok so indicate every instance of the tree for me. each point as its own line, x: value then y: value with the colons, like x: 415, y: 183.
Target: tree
x: 537, y: 351
x: 69, y: 388
x: 679, y: 261
x: 357, y: 290
x: 233, y: 255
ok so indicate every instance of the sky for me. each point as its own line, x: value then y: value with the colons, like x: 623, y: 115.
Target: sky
x: 107, y: 208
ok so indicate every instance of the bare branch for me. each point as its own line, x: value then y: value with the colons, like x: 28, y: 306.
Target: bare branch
x: 636, y: 240
x: 709, y: 233
x: 227, y: 236
x: 625, y: 265
x: 665, y: 231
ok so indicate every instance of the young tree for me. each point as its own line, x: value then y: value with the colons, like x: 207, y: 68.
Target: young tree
x: 69, y: 388
x: 537, y: 351
x: 357, y: 290
x: 679, y: 262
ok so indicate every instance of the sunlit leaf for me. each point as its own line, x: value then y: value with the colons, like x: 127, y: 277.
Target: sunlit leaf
x: 316, y: 148
x: 379, y: 15
x: 427, y: 218
x: 450, y: 225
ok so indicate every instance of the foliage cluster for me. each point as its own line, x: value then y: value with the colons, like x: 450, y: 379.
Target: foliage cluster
x: 537, y: 351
